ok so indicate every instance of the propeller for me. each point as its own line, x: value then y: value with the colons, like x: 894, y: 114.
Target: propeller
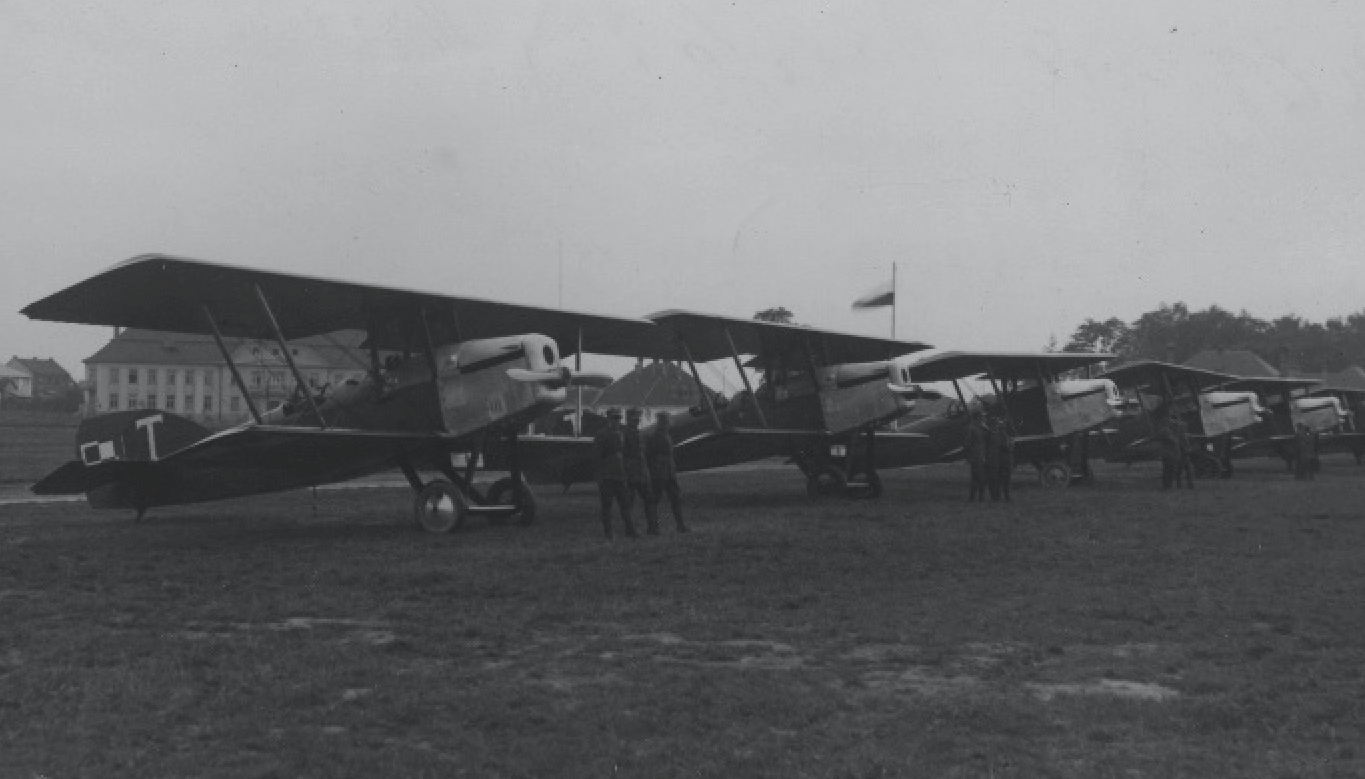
x: 560, y: 377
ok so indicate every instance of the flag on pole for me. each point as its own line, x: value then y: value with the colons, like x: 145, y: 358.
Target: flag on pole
x: 882, y: 295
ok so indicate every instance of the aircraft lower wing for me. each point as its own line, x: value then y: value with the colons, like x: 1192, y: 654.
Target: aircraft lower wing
x: 246, y: 460
x: 1263, y: 447
x: 1285, y: 446
x: 568, y: 460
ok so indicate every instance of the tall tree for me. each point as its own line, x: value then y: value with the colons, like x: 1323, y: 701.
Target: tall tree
x: 780, y: 315
x: 1173, y: 331
x: 1094, y: 336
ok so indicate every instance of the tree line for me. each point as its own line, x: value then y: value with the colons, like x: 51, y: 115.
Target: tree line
x: 1176, y: 333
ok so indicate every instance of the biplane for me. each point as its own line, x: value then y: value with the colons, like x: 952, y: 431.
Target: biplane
x: 821, y: 399
x: 1048, y: 415
x: 1212, y: 413
x: 447, y: 375
x: 1294, y: 401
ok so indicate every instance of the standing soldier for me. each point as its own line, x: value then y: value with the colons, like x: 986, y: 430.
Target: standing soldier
x: 1305, y: 452
x: 1168, y: 445
x: 611, y: 472
x: 663, y: 472
x: 1184, y: 470
x: 637, y: 470
x: 1000, y: 459
x: 974, y: 449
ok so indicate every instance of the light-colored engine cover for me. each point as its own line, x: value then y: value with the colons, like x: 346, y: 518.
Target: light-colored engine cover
x: 476, y: 391
x: 1227, y: 412
x: 1321, y: 414
x: 1077, y: 404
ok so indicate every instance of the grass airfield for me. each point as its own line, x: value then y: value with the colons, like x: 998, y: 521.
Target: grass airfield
x: 1110, y: 630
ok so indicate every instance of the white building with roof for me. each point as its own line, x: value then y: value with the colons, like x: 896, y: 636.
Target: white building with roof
x: 186, y: 374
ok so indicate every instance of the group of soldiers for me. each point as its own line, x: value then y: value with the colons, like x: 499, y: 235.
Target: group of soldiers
x: 629, y: 466
x: 989, y: 450
x: 1177, y: 451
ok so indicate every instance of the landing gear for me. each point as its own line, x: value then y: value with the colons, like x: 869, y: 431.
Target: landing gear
x: 825, y: 476
x: 518, y: 495
x: 1054, y: 475
x: 440, y: 507
x: 824, y: 482
x: 443, y: 504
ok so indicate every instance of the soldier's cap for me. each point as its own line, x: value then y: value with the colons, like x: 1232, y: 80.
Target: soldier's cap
x: 613, y: 413
x: 634, y: 413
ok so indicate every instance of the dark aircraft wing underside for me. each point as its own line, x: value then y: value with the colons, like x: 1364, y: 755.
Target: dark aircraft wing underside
x: 247, y: 460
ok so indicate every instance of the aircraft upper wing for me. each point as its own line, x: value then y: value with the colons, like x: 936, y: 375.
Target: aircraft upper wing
x: 160, y: 292
x: 1004, y: 365
x: 705, y: 338
x: 1339, y: 389
x: 1269, y: 384
x: 1148, y: 373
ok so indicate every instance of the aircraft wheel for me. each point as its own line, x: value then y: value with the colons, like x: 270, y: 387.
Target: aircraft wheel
x: 874, y: 484
x: 1055, y: 475
x: 502, y: 493
x: 824, y: 482
x: 439, y: 507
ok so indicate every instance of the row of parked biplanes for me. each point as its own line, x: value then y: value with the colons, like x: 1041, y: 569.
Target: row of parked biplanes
x: 454, y: 382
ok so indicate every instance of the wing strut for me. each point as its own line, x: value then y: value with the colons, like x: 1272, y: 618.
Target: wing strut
x: 701, y: 388
x: 428, y: 348
x: 1004, y: 402
x: 1166, y: 382
x: 578, y: 389
x: 960, y: 398
x: 753, y: 399
x: 372, y: 335
x: 232, y: 366
x: 1151, y: 423
x: 289, y: 358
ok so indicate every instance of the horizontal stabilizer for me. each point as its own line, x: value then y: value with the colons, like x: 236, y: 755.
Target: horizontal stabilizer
x: 75, y: 477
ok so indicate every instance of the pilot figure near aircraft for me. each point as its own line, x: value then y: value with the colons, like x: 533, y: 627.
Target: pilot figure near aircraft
x: 974, y: 449
x: 999, y: 458
x: 663, y: 472
x: 637, y: 470
x: 608, y: 446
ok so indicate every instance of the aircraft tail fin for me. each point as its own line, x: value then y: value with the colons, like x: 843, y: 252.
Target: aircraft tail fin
x: 140, y: 435
x: 111, y: 447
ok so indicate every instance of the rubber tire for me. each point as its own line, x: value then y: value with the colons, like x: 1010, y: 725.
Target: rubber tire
x: 874, y: 485
x: 1055, y: 475
x: 502, y: 493
x: 825, y: 483
x: 439, y: 507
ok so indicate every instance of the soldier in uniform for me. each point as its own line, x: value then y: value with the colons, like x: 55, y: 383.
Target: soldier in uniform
x: 1000, y: 459
x: 1168, y: 446
x: 974, y: 449
x: 611, y: 472
x: 1305, y: 452
x: 1184, y: 469
x: 637, y: 470
x: 663, y: 472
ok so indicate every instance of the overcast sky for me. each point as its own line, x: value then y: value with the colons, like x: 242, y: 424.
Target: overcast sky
x: 1026, y: 164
